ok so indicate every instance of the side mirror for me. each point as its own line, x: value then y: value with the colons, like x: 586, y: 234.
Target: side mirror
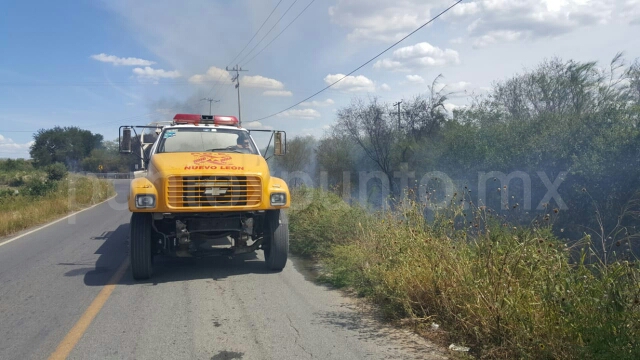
x: 125, y: 141
x: 278, y: 145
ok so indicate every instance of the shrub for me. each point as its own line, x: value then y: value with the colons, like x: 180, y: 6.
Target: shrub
x: 56, y: 172
x: 19, y: 212
x: 6, y: 193
x: 16, y: 181
x: 15, y: 165
x: 37, y: 187
x: 509, y: 292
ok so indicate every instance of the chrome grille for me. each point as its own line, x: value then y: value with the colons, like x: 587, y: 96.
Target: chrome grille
x: 213, y: 191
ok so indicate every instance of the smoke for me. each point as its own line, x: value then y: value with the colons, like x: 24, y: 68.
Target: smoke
x: 166, y: 108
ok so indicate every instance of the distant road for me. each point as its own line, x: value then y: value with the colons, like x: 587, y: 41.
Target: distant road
x: 55, y: 300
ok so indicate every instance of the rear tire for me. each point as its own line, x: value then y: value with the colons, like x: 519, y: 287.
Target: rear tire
x: 141, y: 256
x: 277, y: 236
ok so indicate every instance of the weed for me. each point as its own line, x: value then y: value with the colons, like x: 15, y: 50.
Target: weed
x: 509, y: 292
x: 41, y: 200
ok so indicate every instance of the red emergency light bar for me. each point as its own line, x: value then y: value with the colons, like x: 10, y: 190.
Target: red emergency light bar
x: 197, y: 119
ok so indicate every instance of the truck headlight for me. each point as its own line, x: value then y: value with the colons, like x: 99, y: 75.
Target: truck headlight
x: 145, y: 201
x: 278, y: 199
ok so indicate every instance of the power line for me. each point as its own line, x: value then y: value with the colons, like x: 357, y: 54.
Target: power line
x: 283, y: 30
x: 268, y: 32
x: 132, y: 118
x: 238, y: 54
x: 363, y: 65
x: 136, y: 118
x: 217, y: 85
x: 254, y: 35
x: 173, y: 83
x: 211, y: 101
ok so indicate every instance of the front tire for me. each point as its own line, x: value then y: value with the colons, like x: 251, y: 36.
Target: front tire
x: 277, y: 236
x: 141, y: 256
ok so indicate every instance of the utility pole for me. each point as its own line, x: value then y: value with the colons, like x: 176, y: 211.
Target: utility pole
x: 210, y: 100
x: 398, y: 105
x: 236, y: 78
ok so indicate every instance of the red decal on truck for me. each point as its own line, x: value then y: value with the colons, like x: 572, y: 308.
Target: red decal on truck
x: 215, y: 158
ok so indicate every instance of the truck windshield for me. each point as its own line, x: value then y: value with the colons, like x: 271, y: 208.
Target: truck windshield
x: 204, y: 139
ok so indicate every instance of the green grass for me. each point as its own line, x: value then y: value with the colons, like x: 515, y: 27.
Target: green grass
x: 40, y: 200
x: 508, y: 292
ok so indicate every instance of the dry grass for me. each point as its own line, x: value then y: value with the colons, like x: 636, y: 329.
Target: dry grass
x: 19, y: 212
x: 508, y: 292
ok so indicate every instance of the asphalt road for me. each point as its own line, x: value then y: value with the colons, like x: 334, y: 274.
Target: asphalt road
x: 54, y: 286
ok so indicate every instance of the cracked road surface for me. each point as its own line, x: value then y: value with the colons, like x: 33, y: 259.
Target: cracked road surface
x: 215, y: 308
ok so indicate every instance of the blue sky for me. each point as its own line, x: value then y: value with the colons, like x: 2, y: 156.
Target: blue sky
x: 99, y: 65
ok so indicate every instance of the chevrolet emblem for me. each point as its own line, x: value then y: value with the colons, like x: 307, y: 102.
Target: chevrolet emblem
x: 214, y: 191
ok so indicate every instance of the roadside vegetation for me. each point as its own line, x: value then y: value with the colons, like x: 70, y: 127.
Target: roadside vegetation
x: 78, y: 150
x: 508, y: 292
x: 504, y: 268
x: 30, y: 196
x: 576, y: 124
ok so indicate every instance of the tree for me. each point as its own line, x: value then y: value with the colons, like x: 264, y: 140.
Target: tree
x: 370, y: 126
x: 56, y: 172
x: 299, y: 155
x: 335, y: 154
x: 425, y: 114
x: 68, y: 145
x: 109, y: 157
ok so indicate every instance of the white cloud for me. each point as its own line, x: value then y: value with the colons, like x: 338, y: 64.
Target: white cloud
x: 387, y: 21
x: 118, y: 61
x: 424, y: 49
x: 417, y: 56
x: 358, y: 83
x: 256, y: 125
x: 155, y: 74
x: 213, y: 74
x: 261, y: 82
x: 415, y: 79
x: 453, y: 87
x: 277, y: 93
x: 631, y: 12
x: 494, y: 37
x: 316, y: 103
x: 11, y: 149
x: 387, y: 64
x: 381, y: 20
x: 385, y: 87
x: 450, y: 107
x: 496, y: 21
x: 316, y: 132
x: 457, y: 40
x: 306, y: 114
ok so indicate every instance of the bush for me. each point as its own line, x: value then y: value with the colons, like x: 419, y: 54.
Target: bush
x: 56, y: 172
x: 6, y: 193
x: 16, y: 181
x: 15, y: 165
x: 37, y: 187
x: 19, y: 212
x: 509, y: 292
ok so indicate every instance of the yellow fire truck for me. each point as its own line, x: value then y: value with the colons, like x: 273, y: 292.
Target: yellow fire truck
x: 206, y: 184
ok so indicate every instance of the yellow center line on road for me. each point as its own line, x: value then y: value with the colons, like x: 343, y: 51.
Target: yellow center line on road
x: 75, y: 334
